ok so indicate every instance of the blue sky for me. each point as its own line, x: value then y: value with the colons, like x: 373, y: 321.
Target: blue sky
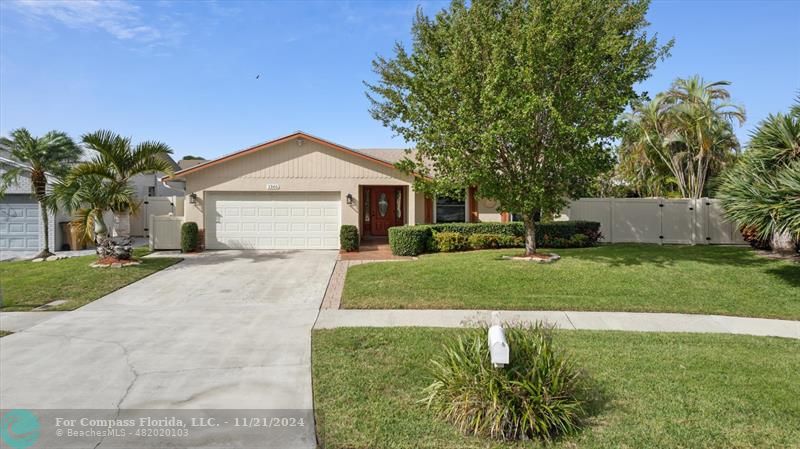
x: 185, y: 72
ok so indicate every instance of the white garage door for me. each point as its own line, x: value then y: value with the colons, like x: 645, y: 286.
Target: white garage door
x: 19, y: 229
x: 280, y: 220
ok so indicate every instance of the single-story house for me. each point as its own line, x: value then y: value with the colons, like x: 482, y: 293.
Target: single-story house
x: 296, y: 191
x: 21, y: 225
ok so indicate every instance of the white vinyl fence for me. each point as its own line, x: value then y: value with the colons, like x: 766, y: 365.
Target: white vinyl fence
x: 657, y: 220
x: 165, y: 232
x: 154, y: 205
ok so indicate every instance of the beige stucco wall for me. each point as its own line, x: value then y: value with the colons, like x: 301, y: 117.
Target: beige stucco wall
x: 487, y: 210
x: 310, y: 167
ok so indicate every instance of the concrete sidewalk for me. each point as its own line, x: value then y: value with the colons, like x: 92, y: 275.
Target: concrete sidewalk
x: 624, y: 321
x: 19, y: 321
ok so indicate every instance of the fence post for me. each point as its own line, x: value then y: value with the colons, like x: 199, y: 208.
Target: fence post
x: 612, y: 221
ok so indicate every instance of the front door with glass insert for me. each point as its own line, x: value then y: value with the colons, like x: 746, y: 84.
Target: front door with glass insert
x: 383, y: 209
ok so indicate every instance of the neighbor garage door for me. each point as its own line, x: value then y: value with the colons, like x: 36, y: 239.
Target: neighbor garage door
x: 19, y: 229
x: 279, y: 220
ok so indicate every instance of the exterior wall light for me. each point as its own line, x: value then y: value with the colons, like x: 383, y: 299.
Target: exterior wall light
x: 193, y: 198
x: 349, y: 199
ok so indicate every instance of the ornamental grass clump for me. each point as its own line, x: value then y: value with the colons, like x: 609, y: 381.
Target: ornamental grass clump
x: 540, y: 394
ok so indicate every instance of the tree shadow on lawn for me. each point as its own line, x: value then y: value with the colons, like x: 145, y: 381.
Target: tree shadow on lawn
x: 665, y: 256
x: 789, y: 274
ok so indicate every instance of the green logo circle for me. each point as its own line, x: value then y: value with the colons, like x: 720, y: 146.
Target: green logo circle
x: 19, y: 428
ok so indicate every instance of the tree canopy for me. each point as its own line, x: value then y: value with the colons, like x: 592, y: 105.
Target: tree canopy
x: 519, y: 98
x: 676, y: 141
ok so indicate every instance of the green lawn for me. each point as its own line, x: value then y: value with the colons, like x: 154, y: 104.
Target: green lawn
x: 4, y: 333
x: 27, y: 285
x: 660, y: 390
x: 635, y: 278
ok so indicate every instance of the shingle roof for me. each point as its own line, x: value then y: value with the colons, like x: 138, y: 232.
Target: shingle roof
x: 391, y: 155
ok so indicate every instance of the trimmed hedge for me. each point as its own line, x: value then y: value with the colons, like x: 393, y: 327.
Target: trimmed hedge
x: 189, y: 237
x: 410, y: 240
x: 348, y: 238
x: 414, y: 240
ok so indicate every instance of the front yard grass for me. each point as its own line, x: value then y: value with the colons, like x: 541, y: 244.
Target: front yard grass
x: 26, y: 285
x: 632, y: 278
x: 660, y: 390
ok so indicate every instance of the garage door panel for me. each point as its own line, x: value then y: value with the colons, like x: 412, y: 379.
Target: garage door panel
x: 275, y: 220
x: 19, y: 227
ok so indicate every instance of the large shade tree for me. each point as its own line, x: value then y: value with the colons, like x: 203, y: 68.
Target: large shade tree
x: 680, y: 138
x: 50, y: 154
x: 518, y: 98
x: 116, y: 161
x: 761, y: 192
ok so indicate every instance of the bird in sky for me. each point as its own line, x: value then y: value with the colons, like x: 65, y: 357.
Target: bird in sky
x: 258, y: 76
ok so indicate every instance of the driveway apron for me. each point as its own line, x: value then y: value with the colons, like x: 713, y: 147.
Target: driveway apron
x: 220, y: 330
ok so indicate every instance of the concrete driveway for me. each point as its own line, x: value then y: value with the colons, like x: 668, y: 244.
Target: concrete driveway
x: 220, y: 330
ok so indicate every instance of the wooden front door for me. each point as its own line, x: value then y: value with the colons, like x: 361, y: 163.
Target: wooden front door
x: 382, y: 210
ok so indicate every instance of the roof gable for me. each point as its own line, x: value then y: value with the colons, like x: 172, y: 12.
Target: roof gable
x: 266, y: 145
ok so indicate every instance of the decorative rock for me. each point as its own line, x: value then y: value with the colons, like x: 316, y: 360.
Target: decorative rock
x: 550, y: 259
x: 119, y: 264
x: 38, y: 259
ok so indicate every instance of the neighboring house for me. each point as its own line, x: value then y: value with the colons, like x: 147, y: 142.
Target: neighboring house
x: 21, y: 227
x: 150, y: 185
x: 188, y: 163
x: 296, y: 191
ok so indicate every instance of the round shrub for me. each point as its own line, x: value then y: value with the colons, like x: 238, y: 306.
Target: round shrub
x: 540, y: 394
x: 189, y: 237
x: 448, y: 242
x: 409, y: 240
x: 348, y: 238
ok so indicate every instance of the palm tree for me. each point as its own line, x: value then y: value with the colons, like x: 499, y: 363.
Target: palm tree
x: 762, y: 191
x: 687, y: 131
x: 50, y: 154
x: 86, y: 198
x: 118, y: 161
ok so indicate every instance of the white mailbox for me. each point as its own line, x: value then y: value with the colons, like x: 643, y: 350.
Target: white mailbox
x: 498, y: 346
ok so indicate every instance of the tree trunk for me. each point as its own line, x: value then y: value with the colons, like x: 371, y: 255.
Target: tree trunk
x: 45, y: 252
x: 530, y: 234
x: 782, y: 243
x: 122, y: 224
x: 39, y: 182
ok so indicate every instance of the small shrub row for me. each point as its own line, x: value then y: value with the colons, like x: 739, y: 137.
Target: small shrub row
x: 447, y: 242
x: 348, y: 238
x: 447, y: 237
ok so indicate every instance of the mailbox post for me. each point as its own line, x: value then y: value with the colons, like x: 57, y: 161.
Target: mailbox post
x: 498, y: 346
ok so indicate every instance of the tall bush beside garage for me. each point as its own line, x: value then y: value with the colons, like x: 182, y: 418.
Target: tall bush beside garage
x: 189, y: 237
x: 348, y: 238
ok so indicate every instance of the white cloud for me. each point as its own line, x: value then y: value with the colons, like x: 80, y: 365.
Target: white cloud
x: 121, y: 19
